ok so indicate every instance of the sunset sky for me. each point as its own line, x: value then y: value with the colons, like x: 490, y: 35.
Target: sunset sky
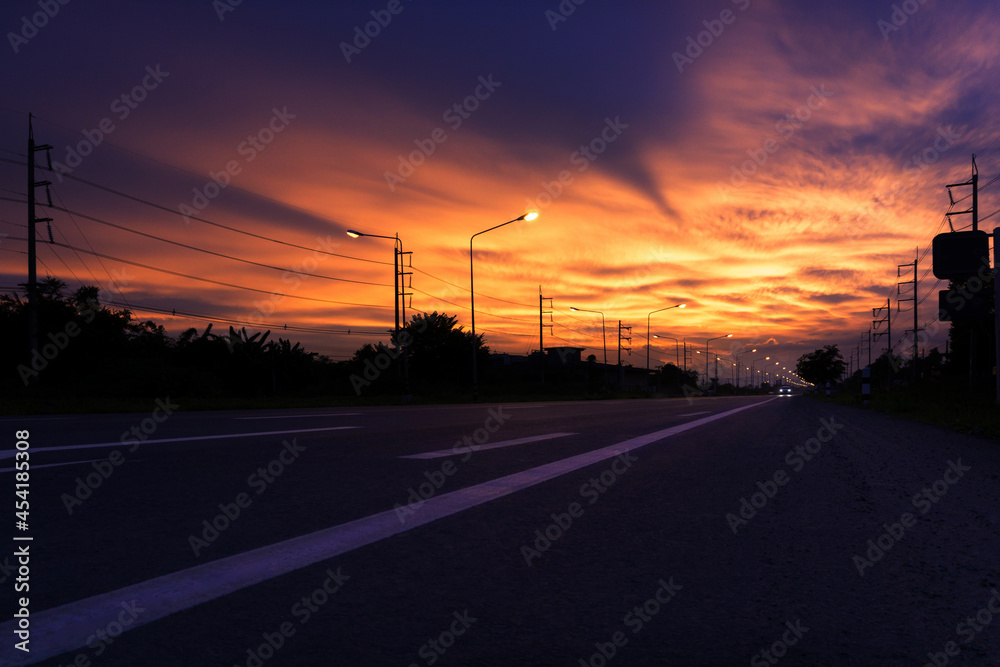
x: 767, y: 163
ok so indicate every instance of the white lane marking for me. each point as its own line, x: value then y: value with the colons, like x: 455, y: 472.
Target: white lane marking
x: 9, y: 453
x: 441, y: 453
x: 53, y: 465
x: 695, y: 414
x: 332, y: 414
x: 70, y: 626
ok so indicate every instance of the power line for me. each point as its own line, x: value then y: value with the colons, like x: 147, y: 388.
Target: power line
x: 466, y: 289
x: 204, y: 220
x: 209, y: 280
x: 114, y: 283
x: 188, y: 172
x: 212, y: 252
x: 258, y: 325
x: 458, y: 305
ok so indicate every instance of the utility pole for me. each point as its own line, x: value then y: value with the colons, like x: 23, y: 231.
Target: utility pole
x: 974, y: 182
x: 913, y: 298
x: 888, y: 332
x: 621, y: 369
x: 404, y: 260
x: 541, y: 326
x: 32, y: 220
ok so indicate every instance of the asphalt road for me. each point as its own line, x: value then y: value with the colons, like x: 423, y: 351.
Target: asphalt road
x: 717, y: 531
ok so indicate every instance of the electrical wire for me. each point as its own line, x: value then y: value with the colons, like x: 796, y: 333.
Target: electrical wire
x: 208, y: 280
x: 212, y: 252
x: 350, y: 331
x: 204, y: 220
x: 114, y: 283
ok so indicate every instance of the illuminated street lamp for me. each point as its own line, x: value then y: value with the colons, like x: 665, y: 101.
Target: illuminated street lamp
x: 472, y: 301
x: 677, y: 350
x: 397, y: 286
x: 680, y: 305
x: 604, y: 336
x: 706, y: 352
x: 753, y: 365
x: 737, y: 364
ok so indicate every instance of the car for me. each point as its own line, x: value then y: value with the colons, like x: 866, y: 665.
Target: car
x: 785, y: 391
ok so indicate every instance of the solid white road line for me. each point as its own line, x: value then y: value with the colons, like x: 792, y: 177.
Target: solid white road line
x: 9, y: 453
x: 66, y: 628
x: 333, y: 414
x: 441, y: 453
x: 53, y: 465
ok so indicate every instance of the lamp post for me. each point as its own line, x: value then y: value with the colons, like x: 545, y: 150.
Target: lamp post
x: 706, y: 353
x: 472, y: 301
x: 677, y: 349
x: 753, y: 365
x: 737, y: 364
x: 397, y: 286
x: 680, y: 305
x: 604, y: 336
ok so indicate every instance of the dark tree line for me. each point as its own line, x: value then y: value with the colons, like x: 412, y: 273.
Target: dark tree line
x: 88, y: 349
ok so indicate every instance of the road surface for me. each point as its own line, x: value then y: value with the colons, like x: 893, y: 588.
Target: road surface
x: 713, y: 531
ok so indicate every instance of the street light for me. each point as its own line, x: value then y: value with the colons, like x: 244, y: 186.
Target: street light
x: 706, y: 352
x: 680, y: 305
x: 753, y: 364
x: 397, y: 286
x: 737, y: 355
x: 677, y: 350
x: 531, y: 215
x: 604, y: 336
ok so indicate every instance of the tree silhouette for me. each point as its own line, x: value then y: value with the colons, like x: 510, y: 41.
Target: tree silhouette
x: 821, y: 366
x: 439, y: 351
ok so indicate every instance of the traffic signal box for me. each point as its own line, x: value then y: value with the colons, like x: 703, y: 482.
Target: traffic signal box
x: 963, y: 258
